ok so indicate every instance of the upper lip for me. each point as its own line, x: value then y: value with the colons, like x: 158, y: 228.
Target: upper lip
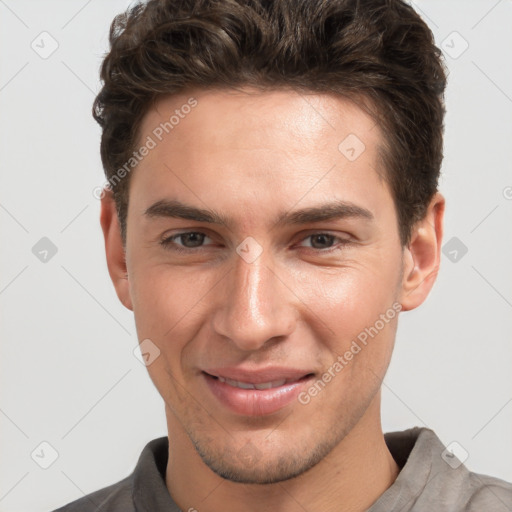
x: 258, y: 376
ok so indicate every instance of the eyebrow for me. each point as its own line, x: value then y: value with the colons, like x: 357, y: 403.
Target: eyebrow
x: 320, y: 213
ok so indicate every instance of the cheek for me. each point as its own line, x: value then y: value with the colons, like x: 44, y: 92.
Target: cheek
x: 155, y: 298
x: 164, y: 303
x: 359, y: 306
x: 353, y: 298
x: 167, y: 300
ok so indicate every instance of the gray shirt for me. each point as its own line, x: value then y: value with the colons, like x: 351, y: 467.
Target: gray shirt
x: 430, y: 480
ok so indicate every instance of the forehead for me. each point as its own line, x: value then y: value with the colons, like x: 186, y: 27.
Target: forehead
x: 289, y: 118
x: 233, y: 147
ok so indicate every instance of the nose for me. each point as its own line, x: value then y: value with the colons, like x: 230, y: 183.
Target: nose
x: 256, y: 305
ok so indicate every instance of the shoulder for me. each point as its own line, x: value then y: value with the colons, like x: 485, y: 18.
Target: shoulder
x: 488, y: 493
x: 145, y: 484
x: 432, y: 477
x: 113, y: 498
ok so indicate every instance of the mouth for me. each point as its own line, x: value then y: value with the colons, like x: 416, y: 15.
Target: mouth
x: 262, y: 385
x: 254, y: 396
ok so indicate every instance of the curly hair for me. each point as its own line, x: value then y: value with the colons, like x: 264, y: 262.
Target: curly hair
x: 377, y: 50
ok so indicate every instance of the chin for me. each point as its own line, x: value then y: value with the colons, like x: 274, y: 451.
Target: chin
x: 250, y: 465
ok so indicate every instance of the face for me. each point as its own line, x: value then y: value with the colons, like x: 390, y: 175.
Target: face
x: 292, y: 263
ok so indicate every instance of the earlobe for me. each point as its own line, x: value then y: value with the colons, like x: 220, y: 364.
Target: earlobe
x: 422, y: 256
x: 114, y: 250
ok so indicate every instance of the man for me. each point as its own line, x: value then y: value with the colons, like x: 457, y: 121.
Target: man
x: 272, y: 208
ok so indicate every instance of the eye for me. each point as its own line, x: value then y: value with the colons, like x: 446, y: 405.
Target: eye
x: 321, y: 240
x: 190, y: 240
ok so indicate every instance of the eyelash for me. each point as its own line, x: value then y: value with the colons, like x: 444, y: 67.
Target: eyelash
x: 168, y: 243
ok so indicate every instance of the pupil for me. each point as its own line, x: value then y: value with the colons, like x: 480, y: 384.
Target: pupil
x: 324, y: 237
x: 196, y: 242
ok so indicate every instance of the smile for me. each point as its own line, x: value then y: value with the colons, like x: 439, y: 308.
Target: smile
x: 255, y: 398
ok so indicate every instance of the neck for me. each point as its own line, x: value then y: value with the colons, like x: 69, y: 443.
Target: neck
x: 350, y: 478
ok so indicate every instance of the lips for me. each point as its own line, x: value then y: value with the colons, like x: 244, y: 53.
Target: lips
x: 256, y: 393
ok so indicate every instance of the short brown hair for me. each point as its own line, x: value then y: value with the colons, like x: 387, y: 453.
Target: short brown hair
x: 378, y: 50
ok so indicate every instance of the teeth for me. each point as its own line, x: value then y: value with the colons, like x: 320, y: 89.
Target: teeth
x: 268, y: 385
x: 248, y: 385
x: 243, y: 385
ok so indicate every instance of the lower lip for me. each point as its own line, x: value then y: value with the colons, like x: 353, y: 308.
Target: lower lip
x: 255, y: 402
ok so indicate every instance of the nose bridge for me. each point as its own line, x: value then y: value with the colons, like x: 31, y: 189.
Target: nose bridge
x: 255, y: 307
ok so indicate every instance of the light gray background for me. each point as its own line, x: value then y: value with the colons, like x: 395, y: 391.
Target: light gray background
x: 68, y: 373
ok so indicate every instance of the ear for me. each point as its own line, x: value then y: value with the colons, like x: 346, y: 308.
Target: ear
x: 116, y: 258
x: 422, y: 257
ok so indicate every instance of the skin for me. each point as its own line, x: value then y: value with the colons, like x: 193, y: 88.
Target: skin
x: 252, y: 157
